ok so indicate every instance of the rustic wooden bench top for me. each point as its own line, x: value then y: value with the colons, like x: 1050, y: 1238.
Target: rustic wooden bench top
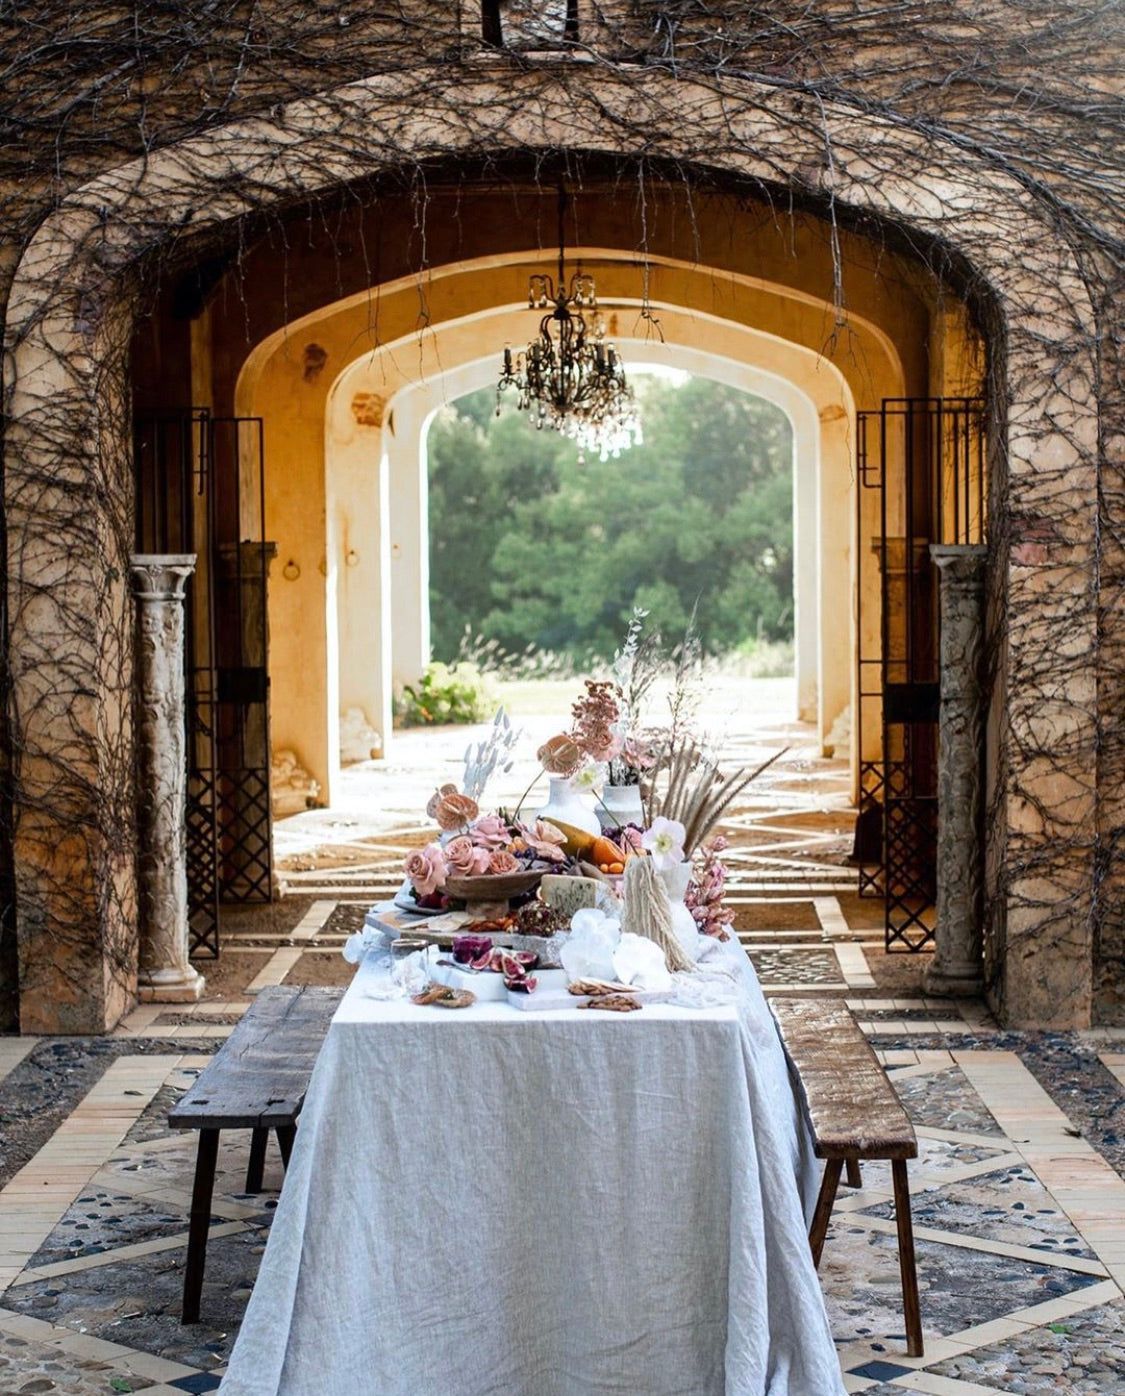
x: 855, y: 1115
x: 259, y: 1077
x: 851, y: 1105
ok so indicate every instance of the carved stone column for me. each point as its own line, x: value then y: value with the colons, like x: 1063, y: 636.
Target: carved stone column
x: 956, y: 966
x: 165, y: 974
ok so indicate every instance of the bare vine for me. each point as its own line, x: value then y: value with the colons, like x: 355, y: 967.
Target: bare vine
x: 150, y: 142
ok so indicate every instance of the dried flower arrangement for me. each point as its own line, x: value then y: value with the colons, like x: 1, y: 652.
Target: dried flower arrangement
x: 704, y: 895
x: 687, y: 786
x: 605, y: 742
x: 473, y: 845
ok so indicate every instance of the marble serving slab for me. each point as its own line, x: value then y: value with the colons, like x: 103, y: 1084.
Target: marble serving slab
x: 487, y: 985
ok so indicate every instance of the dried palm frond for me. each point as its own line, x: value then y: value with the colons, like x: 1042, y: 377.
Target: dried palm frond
x: 695, y: 792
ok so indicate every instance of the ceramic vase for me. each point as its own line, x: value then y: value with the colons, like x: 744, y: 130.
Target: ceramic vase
x: 620, y: 804
x: 675, y: 880
x: 565, y: 806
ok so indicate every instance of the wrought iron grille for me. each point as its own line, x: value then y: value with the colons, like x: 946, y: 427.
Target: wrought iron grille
x: 924, y: 461
x: 200, y: 489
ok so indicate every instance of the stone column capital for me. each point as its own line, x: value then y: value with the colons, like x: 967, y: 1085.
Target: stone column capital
x: 160, y: 576
x: 960, y: 564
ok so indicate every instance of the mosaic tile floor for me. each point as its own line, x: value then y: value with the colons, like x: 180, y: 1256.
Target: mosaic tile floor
x: 1018, y: 1193
x: 1019, y: 1209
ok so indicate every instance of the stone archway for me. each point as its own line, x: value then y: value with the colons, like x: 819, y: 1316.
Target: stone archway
x: 1055, y: 769
x: 823, y: 423
x: 380, y: 386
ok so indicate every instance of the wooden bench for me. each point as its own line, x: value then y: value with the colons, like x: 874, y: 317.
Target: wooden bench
x: 854, y: 1114
x: 257, y: 1081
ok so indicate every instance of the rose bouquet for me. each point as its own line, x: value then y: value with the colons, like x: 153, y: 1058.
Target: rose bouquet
x: 472, y: 845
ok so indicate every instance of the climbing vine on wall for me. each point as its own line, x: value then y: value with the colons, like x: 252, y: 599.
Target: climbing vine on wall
x: 983, y: 138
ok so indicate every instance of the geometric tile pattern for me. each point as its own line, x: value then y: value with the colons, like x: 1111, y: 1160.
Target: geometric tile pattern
x: 1020, y: 1221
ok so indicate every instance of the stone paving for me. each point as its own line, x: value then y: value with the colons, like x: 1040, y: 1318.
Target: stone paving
x: 1019, y: 1190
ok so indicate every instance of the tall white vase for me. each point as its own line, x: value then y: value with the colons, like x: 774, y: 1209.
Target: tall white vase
x: 565, y: 805
x: 620, y: 804
x: 675, y: 880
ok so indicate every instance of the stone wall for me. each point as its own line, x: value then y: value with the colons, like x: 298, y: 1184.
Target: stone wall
x: 985, y: 139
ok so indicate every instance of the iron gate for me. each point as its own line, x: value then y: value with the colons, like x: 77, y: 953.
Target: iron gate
x: 923, y: 460
x: 200, y: 489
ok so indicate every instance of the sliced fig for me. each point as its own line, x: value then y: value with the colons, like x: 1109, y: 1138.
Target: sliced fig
x: 481, y: 962
x: 528, y: 958
x: 496, y: 961
x: 527, y: 984
x: 511, y: 967
x: 468, y: 948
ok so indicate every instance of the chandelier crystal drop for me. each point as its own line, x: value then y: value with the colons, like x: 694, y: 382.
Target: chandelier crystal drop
x: 569, y: 378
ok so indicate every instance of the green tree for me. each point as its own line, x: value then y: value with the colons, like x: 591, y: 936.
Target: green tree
x: 530, y: 545
x: 477, y: 464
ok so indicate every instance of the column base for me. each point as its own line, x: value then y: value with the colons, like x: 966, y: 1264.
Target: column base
x: 170, y: 985
x: 956, y: 982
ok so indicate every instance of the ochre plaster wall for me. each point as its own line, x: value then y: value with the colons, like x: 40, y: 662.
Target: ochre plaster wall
x: 276, y: 385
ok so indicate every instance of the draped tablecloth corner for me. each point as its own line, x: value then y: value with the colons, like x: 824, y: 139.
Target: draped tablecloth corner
x: 543, y: 1204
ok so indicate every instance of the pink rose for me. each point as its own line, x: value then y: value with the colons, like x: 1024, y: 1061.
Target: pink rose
x: 425, y: 868
x: 464, y: 859
x: 602, y: 744
x: 545, y: 840
x: 503, y: 862
x: 490, y: 832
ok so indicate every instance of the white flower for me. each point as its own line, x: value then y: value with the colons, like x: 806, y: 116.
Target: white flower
x: 664, y: 840
x: 589, y: 777
x: 588, y: 952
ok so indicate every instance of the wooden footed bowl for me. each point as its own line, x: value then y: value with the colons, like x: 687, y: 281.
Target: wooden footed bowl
x: 487, y: 897
x: 491, y: 887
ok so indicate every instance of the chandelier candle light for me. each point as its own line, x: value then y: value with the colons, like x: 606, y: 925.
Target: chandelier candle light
x: 569, y: 378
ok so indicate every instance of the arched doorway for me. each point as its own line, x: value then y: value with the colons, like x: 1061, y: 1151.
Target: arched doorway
x: 39, y: 339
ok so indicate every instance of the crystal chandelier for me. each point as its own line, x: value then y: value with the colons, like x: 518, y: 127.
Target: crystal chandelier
x: 569, y: 378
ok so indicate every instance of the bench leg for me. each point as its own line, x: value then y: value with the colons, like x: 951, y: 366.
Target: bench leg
x: 825, y: 1198
x: 205, y: 1160
x: 911, y: 1309
x: 257, y: 1161
x: 853, y: 1175
x: 285, y: 1136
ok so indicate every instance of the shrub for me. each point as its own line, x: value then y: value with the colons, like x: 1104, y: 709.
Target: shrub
x: 764, y: 659
x: 445, y: 694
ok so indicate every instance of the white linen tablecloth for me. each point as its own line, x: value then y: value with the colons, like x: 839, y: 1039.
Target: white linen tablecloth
x: 485, y: 1202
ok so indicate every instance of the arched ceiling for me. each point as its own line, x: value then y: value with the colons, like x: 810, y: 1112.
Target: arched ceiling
x: 473, y: 309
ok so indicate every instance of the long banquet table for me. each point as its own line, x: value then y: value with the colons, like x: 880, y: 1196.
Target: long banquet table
x: 488, y: 1201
